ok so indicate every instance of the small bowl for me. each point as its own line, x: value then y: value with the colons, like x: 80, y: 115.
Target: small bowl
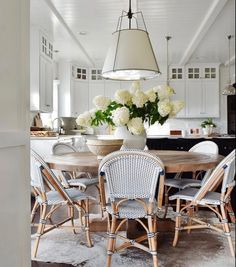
x: 102, y: 146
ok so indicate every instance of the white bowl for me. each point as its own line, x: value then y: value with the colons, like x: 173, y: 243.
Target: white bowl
x: 101, y: 146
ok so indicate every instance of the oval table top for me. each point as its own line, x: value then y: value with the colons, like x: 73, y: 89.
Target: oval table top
x: 174, y: 161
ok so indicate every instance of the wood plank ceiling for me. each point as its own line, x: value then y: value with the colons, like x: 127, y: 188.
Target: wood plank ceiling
x: 82, y: 29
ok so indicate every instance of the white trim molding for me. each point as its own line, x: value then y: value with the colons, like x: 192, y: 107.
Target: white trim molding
x: 206, y: 23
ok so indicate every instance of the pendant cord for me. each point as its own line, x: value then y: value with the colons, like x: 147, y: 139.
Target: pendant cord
x: 130, y: 14
x: 229, y: 37
x: 167, y: 60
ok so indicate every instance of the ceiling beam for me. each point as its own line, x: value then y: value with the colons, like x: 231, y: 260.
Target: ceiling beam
x: 203, y: 28
x: 73, y: 36
x: 231, y: 61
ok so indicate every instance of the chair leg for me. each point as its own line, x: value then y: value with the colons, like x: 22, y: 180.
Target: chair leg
x: 111, y: 240
x: 86, y: 223
x: 155, y: 228
x: 80, y: 215
x: 152, y: 240
x: 40, y: 229
x: 71, y: 215
x: 33, y: 212
x: 227, y: 229
x: 177, y: 222
x: 190, y: 215
x: 166, y: 201
x: 100, y: 201
x: 230, y: 212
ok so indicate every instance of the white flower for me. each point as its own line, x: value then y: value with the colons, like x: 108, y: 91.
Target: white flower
x: 135, y: 87
x: 176, y: 106
x: 84, y: 119
x: 164, y: 107
x: 123, y: 97
x: 92, y: 112
x: 136, y: 126
x: 101, y: 102
x: 164, y: 91
x: 139, y: 98
x: 120, y: 116
x: 151, y: 95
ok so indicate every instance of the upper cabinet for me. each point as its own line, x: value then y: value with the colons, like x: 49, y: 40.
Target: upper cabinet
x: 202, y: 91
x: 198, y: 86
x: 41, y: 71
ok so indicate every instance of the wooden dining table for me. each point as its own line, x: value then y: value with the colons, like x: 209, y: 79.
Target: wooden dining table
x: 174, y: 161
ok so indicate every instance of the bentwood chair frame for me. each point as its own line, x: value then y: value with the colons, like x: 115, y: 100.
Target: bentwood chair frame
x: 132, y: 178
x: 56, y: 198
x: 205, y: 196
x: 81, y: 180
x: 205, y: 147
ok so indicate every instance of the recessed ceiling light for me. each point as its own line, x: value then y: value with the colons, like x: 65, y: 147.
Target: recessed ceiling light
x: 82, y: 33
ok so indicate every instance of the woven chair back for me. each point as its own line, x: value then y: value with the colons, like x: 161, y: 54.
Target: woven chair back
x: 131, y: 174
x: 63, y: 148
x: 208, y: 147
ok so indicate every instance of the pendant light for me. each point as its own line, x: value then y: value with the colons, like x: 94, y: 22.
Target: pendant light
x: 131, y: 55
x: 229, y: 89
x: 167, y: 61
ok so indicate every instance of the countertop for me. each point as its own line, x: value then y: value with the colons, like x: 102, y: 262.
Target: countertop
x: 189, y: 137
x: 65, y: 137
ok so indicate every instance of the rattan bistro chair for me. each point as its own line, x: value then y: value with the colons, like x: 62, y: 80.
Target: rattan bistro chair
x: 205, y: 147
x: 207, y: 197
x: 55, y: 197
x: 131, y: 178
x: 73, y: 179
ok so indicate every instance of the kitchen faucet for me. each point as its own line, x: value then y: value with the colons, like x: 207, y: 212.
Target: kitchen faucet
x: 59, y: 124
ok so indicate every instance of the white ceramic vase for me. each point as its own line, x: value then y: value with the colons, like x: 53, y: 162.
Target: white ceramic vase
x: 130, y: 141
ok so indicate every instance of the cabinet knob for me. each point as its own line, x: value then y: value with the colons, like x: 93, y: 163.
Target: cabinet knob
x: 47, y: 105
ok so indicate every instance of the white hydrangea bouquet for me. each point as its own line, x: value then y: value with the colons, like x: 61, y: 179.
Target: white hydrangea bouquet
x: 132, y: 108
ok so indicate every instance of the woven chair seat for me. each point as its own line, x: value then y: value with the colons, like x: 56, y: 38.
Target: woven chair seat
x: 188, y: 194
x: 83, y: 182
x: 182, y: 183
x: 132, y: 209
x: 54, y: 198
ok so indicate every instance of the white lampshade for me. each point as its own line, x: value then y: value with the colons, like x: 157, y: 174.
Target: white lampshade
x: 130, y: 56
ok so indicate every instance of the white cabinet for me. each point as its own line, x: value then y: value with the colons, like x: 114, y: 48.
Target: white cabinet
x: 202, y: 91
x: 45, y: 85
x: 180, y: 94
x: 80, y: 98
x: 41, y: 72
x: 73, y: 89
x: 95, y: 88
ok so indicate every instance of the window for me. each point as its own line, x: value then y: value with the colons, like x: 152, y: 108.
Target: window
x: 193, y: 73
x: 177, y: 73
x: 79, y: 73
x: 95, y: 74
x: 210, y: 73
x: 46, y: 47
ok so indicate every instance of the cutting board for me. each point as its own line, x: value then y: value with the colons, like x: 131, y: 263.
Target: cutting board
x: 37, y: 121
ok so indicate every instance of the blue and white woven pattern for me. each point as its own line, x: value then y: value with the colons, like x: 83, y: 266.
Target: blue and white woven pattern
x: 131, y: 175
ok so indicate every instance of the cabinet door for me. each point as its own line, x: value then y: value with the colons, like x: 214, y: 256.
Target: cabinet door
x: 95, y: 88
x: 46, y: 85
x: 179, y: 88
x: 79, y: 98
x: 194, y: 98
x: 210, y: 98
